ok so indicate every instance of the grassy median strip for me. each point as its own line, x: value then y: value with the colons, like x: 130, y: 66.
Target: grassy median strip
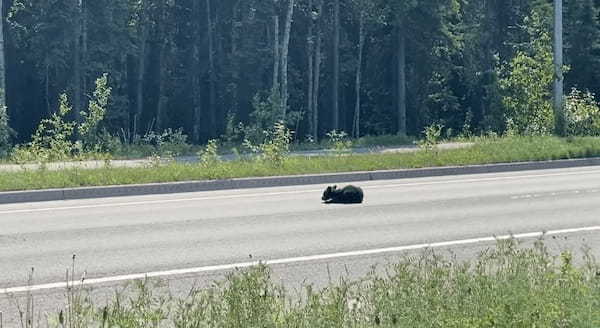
x: 485, y: 151
x: 509, y: 286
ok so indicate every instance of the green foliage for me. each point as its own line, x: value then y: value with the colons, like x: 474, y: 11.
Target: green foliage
x: 234, y: 130
x: 265, y: 115
x: 582, y: 114
x: 209, y: 157
x: 527, y: 86
x: 339, y: 142
x: 383, y: 140
x: 52, y: 140
x: 55, y: 138
x: 173, y: 142
x: 432, y: 137
x: 511, y: 285
x: 582, y: 34
x: 144, y: 308
x: 454, y: 49
x: 5, y: 132
x: 276, y: 145
x: 89, y: 129
x: 484, y: 151
x: 250, y: 299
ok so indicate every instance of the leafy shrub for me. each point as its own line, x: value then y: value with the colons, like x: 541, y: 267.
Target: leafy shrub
x: 508, y: 286
x: 89, y: 130
x: 339, y: 142
x: 276, y: 146
x: 234, y: 132
x: 209, y: 157
x: 109, y: 143
x: 582, y: 114
x: 526, y: 88
x: 5, y: 132
x: 432, y: 137
x: 52, y: 139
x: 267, y: 113
x: 170, y: 141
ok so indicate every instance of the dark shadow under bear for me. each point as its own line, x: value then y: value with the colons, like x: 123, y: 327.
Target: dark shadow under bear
x: 347, y: 195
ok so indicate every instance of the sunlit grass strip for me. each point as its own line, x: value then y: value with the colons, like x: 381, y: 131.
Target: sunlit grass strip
x: 509, y: 286
x: 485, y: 151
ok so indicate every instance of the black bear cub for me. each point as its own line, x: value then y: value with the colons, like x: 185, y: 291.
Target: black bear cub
x: 347, y: 195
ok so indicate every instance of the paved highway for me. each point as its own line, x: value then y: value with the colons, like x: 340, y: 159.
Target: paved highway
x: 184, y: 236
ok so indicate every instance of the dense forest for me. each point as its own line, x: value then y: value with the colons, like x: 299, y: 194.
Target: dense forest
x: 224, y: 67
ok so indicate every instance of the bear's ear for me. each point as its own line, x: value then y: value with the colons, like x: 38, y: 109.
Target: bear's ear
x: 335, y: 187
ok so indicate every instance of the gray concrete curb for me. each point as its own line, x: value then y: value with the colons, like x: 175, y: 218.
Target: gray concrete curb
x: 246, y: 183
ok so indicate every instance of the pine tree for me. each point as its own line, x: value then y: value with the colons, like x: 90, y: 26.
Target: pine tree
x: 582, y: 45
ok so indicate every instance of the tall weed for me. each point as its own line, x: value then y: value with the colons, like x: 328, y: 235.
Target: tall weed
x: 507, y: 286
x: 276, y: 146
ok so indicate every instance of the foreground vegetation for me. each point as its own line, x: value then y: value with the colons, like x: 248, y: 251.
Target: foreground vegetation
x: 273, y: 160
x: 509, y: 286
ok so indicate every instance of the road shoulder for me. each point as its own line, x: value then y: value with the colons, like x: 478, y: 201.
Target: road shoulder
x: 278, y: 181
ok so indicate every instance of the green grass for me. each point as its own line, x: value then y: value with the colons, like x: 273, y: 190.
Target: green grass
x: 510, y: 286
x: 136, y: 151
x: 388, y: 140
x: 484, y: 151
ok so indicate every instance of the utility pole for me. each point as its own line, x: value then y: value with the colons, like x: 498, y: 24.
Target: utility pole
x: 559, y: 108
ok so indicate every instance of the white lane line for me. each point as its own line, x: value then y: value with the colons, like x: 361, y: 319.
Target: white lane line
x: 301, y: 259
x: 475, y: 180
x: 261, y: 195
x: 554, y: 194
x: 150, y: 202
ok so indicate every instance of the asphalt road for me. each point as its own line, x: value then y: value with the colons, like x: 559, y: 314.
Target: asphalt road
x: 164, y: 235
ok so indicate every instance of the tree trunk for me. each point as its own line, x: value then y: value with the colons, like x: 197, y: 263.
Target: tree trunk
x: 490, y: 53
x: 46, y: 84
x: 162, y: 50
x: 559, y: 103
x: 317, y: 75
x: 310, y: 50
x: 162, y: 98
x: 77, y: 90
x: 401, y: 80
x: 361, y: 45
x: 284, y: 58
x: 211, y: 71
x: 142, y: 40
x: 276, y: 53
x: 234, y: 76
x: 336, y: 65
x: 221, y: 65
x: 196, y: 89
x: 235, y: 26
x: 84, y: 51
x: 2, y: 59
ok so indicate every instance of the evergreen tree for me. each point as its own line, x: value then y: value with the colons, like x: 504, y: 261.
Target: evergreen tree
x: 205, y: 65
x: 582, y: 45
